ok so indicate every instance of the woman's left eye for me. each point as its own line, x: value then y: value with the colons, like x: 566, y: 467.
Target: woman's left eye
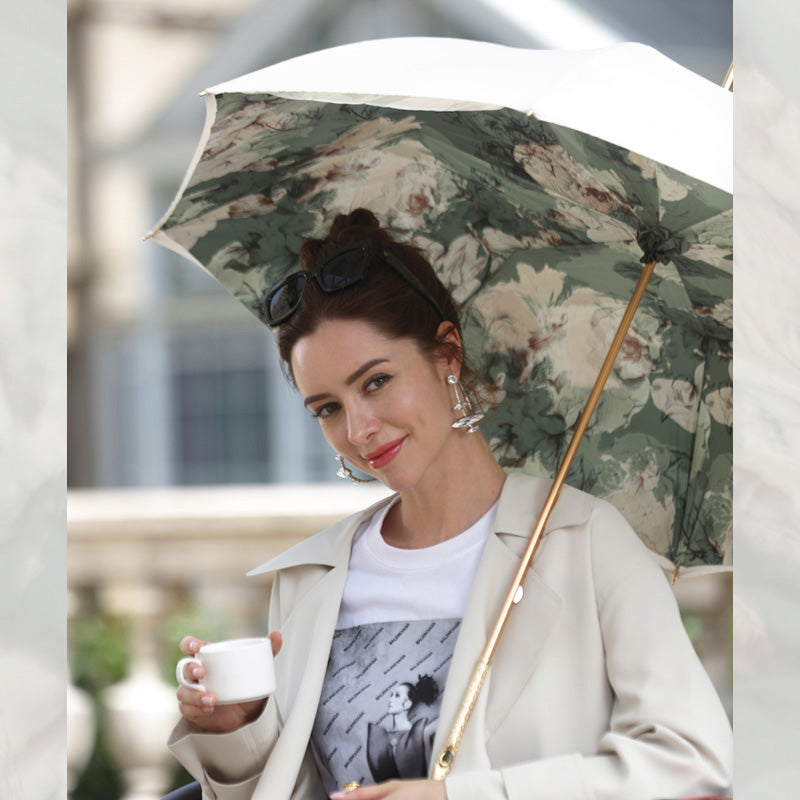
x: 376, y: 381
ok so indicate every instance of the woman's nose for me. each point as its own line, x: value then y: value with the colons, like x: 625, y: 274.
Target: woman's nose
x: 361, y: 424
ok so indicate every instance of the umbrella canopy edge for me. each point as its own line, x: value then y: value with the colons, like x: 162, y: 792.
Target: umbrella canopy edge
x: 643, y: 109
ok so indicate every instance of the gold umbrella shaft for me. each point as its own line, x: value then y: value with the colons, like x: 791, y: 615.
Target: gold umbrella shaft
x: 448, y: 752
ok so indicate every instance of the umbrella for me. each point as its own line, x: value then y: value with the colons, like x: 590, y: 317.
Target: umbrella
x: 536, y: 182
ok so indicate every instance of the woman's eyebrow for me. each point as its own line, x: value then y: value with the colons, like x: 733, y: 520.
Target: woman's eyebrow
x: 314, y: 398
x: 351, y: 379
x: 364, y: 368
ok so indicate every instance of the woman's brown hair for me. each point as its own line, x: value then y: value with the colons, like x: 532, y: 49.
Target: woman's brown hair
x: 383, y: 298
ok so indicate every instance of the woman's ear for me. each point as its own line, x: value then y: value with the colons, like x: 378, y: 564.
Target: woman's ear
x: 450, y: 349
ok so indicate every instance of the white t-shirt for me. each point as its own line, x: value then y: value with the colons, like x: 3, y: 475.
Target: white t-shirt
x: 397, y: 628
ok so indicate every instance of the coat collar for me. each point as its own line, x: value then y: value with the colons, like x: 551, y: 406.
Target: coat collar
x: 521, y: 501
x: 327, y: 548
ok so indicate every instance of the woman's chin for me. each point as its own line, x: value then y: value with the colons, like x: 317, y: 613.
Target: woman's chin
x: 395, y: 481
x: 393, y: 485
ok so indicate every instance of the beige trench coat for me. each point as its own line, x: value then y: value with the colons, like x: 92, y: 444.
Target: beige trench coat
x: 594, y: 693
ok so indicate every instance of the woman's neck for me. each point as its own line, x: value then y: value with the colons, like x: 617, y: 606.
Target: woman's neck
x: 450, y: 499
x: 400, y: 722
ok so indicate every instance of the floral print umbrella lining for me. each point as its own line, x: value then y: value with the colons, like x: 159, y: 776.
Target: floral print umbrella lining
x: 539, y: 231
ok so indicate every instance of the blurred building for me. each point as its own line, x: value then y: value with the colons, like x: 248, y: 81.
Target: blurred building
x: 170, y: 382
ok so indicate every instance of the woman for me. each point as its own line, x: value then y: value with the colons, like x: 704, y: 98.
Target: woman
x: 401, y: 746
x: 594, y: 689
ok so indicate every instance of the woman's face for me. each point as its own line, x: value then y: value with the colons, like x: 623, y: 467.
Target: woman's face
x: 399, y: 699
x: 381, y: 403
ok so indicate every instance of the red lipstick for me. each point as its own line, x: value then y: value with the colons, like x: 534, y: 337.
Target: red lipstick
x: 383, y: 455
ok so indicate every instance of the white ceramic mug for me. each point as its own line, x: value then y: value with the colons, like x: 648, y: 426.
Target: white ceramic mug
x: 237, y: 670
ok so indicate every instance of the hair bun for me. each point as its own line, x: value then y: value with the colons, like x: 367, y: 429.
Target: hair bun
x: 425, y: 690
x: 345, y: 229
x: 361, y: 218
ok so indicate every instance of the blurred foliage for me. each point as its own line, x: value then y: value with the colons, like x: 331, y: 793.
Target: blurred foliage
x: 99, y: 651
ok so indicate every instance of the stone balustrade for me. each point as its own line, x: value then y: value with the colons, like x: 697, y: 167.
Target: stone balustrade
x: 141, y: 551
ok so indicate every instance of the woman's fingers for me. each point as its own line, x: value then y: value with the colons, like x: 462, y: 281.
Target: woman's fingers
x: 376, y: 792
x: 277, y: 642
x: 194, y: 673
x: 194, y: 704
x: 397, y: 790
x: 190, y: 645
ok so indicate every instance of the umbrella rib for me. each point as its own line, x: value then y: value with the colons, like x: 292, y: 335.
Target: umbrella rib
x: 448, y: 752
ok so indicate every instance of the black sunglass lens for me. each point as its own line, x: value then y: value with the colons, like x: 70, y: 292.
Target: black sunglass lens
x: 284, y: 299
x: 343, y: 269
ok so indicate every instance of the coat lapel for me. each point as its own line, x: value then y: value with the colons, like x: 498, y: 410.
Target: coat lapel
x: 529, y: 624
x: 311, y: 624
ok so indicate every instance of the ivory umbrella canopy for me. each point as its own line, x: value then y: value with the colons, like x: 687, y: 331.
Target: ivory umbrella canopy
x: 537, y: 183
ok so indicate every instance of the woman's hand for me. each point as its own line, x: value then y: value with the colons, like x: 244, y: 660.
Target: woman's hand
x: 200, y: 708
x: 397, y: 790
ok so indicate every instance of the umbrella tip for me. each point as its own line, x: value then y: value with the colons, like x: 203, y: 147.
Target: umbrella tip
x: 728, y: 82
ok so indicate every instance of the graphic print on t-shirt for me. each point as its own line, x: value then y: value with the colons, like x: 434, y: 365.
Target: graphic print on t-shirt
x: 380, y: 701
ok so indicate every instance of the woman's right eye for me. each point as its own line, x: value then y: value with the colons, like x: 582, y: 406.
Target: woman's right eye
x: 325, y: 411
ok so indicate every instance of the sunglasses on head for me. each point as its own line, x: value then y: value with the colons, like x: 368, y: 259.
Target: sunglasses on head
x: 341, y: 269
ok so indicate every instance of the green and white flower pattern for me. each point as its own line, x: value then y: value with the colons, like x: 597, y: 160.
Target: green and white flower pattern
x: 534, y: 228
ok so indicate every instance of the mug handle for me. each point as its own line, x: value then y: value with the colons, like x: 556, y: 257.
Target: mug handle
x: 182, y: 679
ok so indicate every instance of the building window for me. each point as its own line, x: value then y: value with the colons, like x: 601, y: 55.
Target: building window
x: 219, y: 407
x: 220, y: 431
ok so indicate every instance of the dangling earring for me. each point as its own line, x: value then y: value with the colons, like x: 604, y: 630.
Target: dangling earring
x: 345, y: 472
x: 463, y: 406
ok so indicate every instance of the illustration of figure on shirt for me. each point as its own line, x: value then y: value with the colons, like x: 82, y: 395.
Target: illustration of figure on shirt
x: 400, y: 747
